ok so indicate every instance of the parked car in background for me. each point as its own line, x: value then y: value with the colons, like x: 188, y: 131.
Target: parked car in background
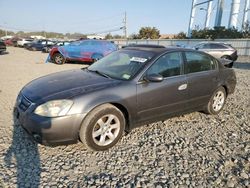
x: 27, y: 45
x: 2, y: 46
x: 218, y: 50
x: 11, y: 41
x: 128, y: 88
x: 14, y: 41
x: 39, y: 45
x: 8, y: 42
x: 82, y: 50
x: 22, y: 42
x: 48, y: 48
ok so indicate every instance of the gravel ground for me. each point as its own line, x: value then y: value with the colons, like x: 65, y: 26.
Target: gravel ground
x: 193, y: 150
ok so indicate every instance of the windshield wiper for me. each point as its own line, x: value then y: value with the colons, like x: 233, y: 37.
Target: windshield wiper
x: 100, y: 73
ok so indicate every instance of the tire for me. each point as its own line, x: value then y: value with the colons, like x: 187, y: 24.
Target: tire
x: 216, y: 102
x: 100, y: 125
x: 58, y: 59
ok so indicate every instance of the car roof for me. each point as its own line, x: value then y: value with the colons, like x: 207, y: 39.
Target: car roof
x: 96, y: 40
x: 213, y: 42
x: 155, y: 49
x: 143, y: 45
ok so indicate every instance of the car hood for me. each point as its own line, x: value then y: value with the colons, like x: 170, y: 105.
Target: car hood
x: 66, y: 84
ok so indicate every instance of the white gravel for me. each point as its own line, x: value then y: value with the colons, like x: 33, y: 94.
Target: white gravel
x: 194, y: 150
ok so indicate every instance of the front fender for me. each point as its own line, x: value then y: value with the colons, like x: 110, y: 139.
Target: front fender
x: 122, y: 96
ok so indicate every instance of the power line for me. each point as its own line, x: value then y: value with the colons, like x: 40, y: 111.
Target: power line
x: 85, y: 22
x: 100, y: 29
x: 109, y: 31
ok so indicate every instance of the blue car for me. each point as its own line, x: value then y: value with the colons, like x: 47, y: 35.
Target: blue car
x: 82, y: 51
x: 38, y: 45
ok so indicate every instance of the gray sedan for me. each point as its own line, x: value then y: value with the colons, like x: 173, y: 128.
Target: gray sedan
x: 128, y: 88
x: 219, y: 50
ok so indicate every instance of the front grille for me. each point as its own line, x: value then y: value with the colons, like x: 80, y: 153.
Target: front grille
x: 23, y: 103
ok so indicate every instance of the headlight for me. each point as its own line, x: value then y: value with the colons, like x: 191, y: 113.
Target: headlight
x: 54, y: 108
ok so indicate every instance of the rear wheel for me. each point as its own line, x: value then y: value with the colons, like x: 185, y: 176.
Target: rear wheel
x: 102, y: 128
x: 216, y: 102
x: 58, y: 58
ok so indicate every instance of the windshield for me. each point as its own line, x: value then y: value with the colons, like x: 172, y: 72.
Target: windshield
x: 123, y: 64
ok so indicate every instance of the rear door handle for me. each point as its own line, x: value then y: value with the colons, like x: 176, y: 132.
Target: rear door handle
x: 182, y: 87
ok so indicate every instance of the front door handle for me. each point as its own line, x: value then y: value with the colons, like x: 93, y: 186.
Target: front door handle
x: 182, y: 87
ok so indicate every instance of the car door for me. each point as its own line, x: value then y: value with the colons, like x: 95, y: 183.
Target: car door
x: 202, y: 77
x: 156, y: 100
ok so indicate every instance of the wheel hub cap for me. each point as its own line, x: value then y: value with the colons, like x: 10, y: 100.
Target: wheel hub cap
x: 106, y: 130
x: 218, y: 101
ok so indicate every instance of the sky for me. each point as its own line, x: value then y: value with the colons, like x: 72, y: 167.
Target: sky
x: 97, y: 16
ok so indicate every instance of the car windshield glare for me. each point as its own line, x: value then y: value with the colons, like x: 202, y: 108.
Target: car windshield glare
x: 123, y: 64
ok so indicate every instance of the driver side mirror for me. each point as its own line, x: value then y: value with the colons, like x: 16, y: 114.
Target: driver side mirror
x: 153, y: 78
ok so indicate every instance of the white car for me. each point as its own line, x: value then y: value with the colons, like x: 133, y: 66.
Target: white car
x: 21, y: 42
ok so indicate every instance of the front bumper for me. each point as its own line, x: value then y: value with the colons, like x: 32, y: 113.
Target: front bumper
x: 49, y: 131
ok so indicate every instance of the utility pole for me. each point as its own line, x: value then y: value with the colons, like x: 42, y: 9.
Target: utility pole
x: 125, y: 26
x: 6, y: 32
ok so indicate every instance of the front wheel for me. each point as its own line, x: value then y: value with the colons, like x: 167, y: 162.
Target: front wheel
x: 102, y: 128
x: 216, y: 102
x: 58, y: 58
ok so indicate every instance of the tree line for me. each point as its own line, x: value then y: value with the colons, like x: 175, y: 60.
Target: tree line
x: 215, y: 33
x: 45, y: 34
x: 149, y: 33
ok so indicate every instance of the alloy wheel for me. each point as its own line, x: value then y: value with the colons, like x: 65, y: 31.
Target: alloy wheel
x: 106, y: 130
x: 218, y: 101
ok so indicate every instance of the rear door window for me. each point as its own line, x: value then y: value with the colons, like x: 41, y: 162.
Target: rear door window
x: 197, y: 62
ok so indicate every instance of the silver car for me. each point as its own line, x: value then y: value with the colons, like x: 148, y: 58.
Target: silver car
x: 218, y: 50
